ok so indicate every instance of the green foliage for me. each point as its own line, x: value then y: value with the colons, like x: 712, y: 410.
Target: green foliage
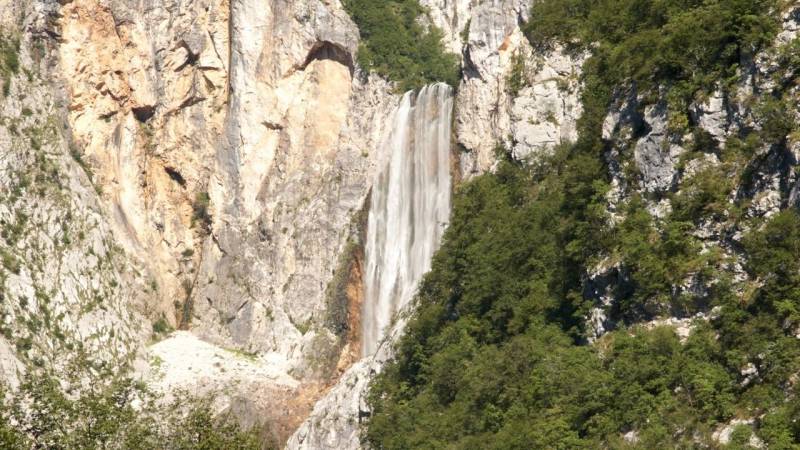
x: 655, y: 260
x: 395, y: 45
x: 201, y: 216
x: 689, y: 45
x: 9, y: 60
x: 491, y: 359
x: 517, y: 77
x: 10, y: 262
x: 704, y: 195
x: 494, y: 355
x: 110, y: 412
x: 775, y: 264
x: 776, y: 118
x: 161, y: 326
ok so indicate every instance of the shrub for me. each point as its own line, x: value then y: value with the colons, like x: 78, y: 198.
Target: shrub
x: 9, y: 60
x: 161, y: 326
x: 395, y: 45
x: 201, y: 216
x: 687, y: 45
x: 517, y: 77
x: 117, y: 412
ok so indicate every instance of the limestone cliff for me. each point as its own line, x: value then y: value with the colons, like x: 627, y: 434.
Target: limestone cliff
x: 195, y: 164
x: 233, y: 147
x: 67, y: 288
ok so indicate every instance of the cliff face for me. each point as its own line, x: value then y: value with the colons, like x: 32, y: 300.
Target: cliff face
x: 209, y: 162
x: 234, y: 145
x: 66, y: 286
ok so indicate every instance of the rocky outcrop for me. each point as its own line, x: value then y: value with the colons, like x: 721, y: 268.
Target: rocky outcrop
x: 337, y: 418
x: 147, y: 90
x: 453, y: 18
x: 510, y: 93
x: 657, y: 152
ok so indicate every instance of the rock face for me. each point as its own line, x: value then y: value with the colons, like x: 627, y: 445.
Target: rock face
x: 498, y: 60
x: 338, y: 416
x: 66, y: 287
x: 206, y: 163
x: 656, y: 154
x: 233, y: 142
x: 197, y: 163
x: 336, y: 419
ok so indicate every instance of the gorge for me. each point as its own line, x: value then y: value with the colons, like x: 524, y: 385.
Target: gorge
x: 397, y: 224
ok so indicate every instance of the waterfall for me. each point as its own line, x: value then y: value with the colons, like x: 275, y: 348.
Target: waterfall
x: 409, y: 208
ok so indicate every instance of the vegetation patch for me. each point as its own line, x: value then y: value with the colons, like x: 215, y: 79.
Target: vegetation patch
x: 116, y: 413
x: 395, y: 45
x: 495, y: 355
x: 690, y: 44
x: 9, y: 60
x: 201, y: 216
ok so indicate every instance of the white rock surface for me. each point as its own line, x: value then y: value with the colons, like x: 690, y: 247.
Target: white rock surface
x: 335, y: 422
x: 453, y: 18
x: 541, y: 115
x: 259, y: 105
x: 337, y: 418
x: 723, y: 434
x: 656, y: 154
x: 545, y: 113
x: 182, y: 361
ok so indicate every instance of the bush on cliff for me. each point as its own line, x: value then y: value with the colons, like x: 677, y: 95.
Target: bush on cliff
x: 396, y: 46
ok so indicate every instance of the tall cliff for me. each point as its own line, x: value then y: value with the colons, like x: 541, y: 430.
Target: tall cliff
x: 209, y: 163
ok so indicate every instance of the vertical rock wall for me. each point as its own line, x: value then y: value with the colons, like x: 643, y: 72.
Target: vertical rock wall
x: 233, y: 143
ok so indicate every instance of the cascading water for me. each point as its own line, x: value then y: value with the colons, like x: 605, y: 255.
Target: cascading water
x: 409, y: 208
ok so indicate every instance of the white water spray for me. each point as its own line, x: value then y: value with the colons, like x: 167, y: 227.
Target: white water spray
x: 409, y: 208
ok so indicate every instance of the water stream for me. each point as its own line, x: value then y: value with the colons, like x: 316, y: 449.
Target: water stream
x: 409, y: 208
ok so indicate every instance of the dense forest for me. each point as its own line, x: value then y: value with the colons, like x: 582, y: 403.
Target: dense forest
x: 497, y: 353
